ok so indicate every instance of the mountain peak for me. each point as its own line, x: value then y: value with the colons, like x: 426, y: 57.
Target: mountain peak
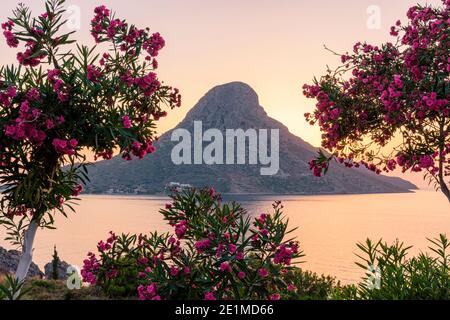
x: 236, y: 95
x: 232, y: 100
x: 236, y: 89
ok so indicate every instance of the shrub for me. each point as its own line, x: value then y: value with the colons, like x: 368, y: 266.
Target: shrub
x: 37, y: 289
x: 307, y: 285
x: 217, y: 252
x: 11, y: 288
x: 391, y: 275
x: 116, y: 270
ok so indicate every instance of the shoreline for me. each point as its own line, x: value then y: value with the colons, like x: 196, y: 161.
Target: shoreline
x: 162, y: 195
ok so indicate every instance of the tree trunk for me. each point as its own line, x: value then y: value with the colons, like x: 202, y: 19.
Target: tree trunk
x: 27, y: 251
x: 445, y: 190
x: 49, y: 163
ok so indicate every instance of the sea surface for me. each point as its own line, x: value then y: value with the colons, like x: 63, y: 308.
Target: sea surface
x: 329, y: 226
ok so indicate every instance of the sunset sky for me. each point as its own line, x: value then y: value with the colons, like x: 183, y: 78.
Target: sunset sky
x: 273, y: 45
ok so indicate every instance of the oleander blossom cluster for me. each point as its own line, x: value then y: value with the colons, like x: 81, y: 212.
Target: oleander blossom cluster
x: 64, y: 102
x: 215, y: 249
x: 393, y: 96
x: 131, y: 42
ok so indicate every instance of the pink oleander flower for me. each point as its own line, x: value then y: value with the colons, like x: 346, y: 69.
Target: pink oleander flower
x: 11, y: 91
x: 398, y: 81
x: 126, y: 122
x: 30, y: 57
x: 225, y: 267
x: 262, y: 218
x: 77, y: 191
x: 60, y: 145
x: 210, y: 296
x: 263, y: 273
x: 11, y: 39
x: 112, y: 238
x: 93, y: 73
x: 174, y: 271
x: 202, y: 245
x: 24, y: 106
x: 65, y: 146
x: 149, y: 84
x: 33, y: 94
x: 154, y: 44
x: 148, y: 292
x: 241, y: 275
x: 141, y: 290
x: 391, y: 165
x: 102, y: 246
x: 426, y: 161
x: 180, y: 229
x: 284, y: 253
x: 52, y: 74
x: 151, y: 289
x: 239, y: 255
x: 90, y: 267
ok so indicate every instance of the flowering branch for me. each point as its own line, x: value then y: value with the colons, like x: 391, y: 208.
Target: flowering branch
x: 396, y: 92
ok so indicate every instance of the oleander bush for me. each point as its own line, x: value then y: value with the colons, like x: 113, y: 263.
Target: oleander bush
x: 217, y: 251
x: 63, y: 101
x: 386, y: 107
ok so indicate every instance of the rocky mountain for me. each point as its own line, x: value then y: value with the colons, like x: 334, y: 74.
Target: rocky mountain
x: 9, y: 260
x: 235, y: 106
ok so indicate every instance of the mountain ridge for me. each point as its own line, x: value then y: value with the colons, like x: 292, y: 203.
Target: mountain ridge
x: 232, y: 106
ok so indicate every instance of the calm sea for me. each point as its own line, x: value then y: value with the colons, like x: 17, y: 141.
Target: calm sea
x: 329, y: 226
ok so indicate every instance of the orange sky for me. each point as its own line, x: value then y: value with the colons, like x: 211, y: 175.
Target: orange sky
x: 273, y: 45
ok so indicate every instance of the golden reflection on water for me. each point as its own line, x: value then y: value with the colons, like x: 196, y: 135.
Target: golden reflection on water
x: 329, y: 226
